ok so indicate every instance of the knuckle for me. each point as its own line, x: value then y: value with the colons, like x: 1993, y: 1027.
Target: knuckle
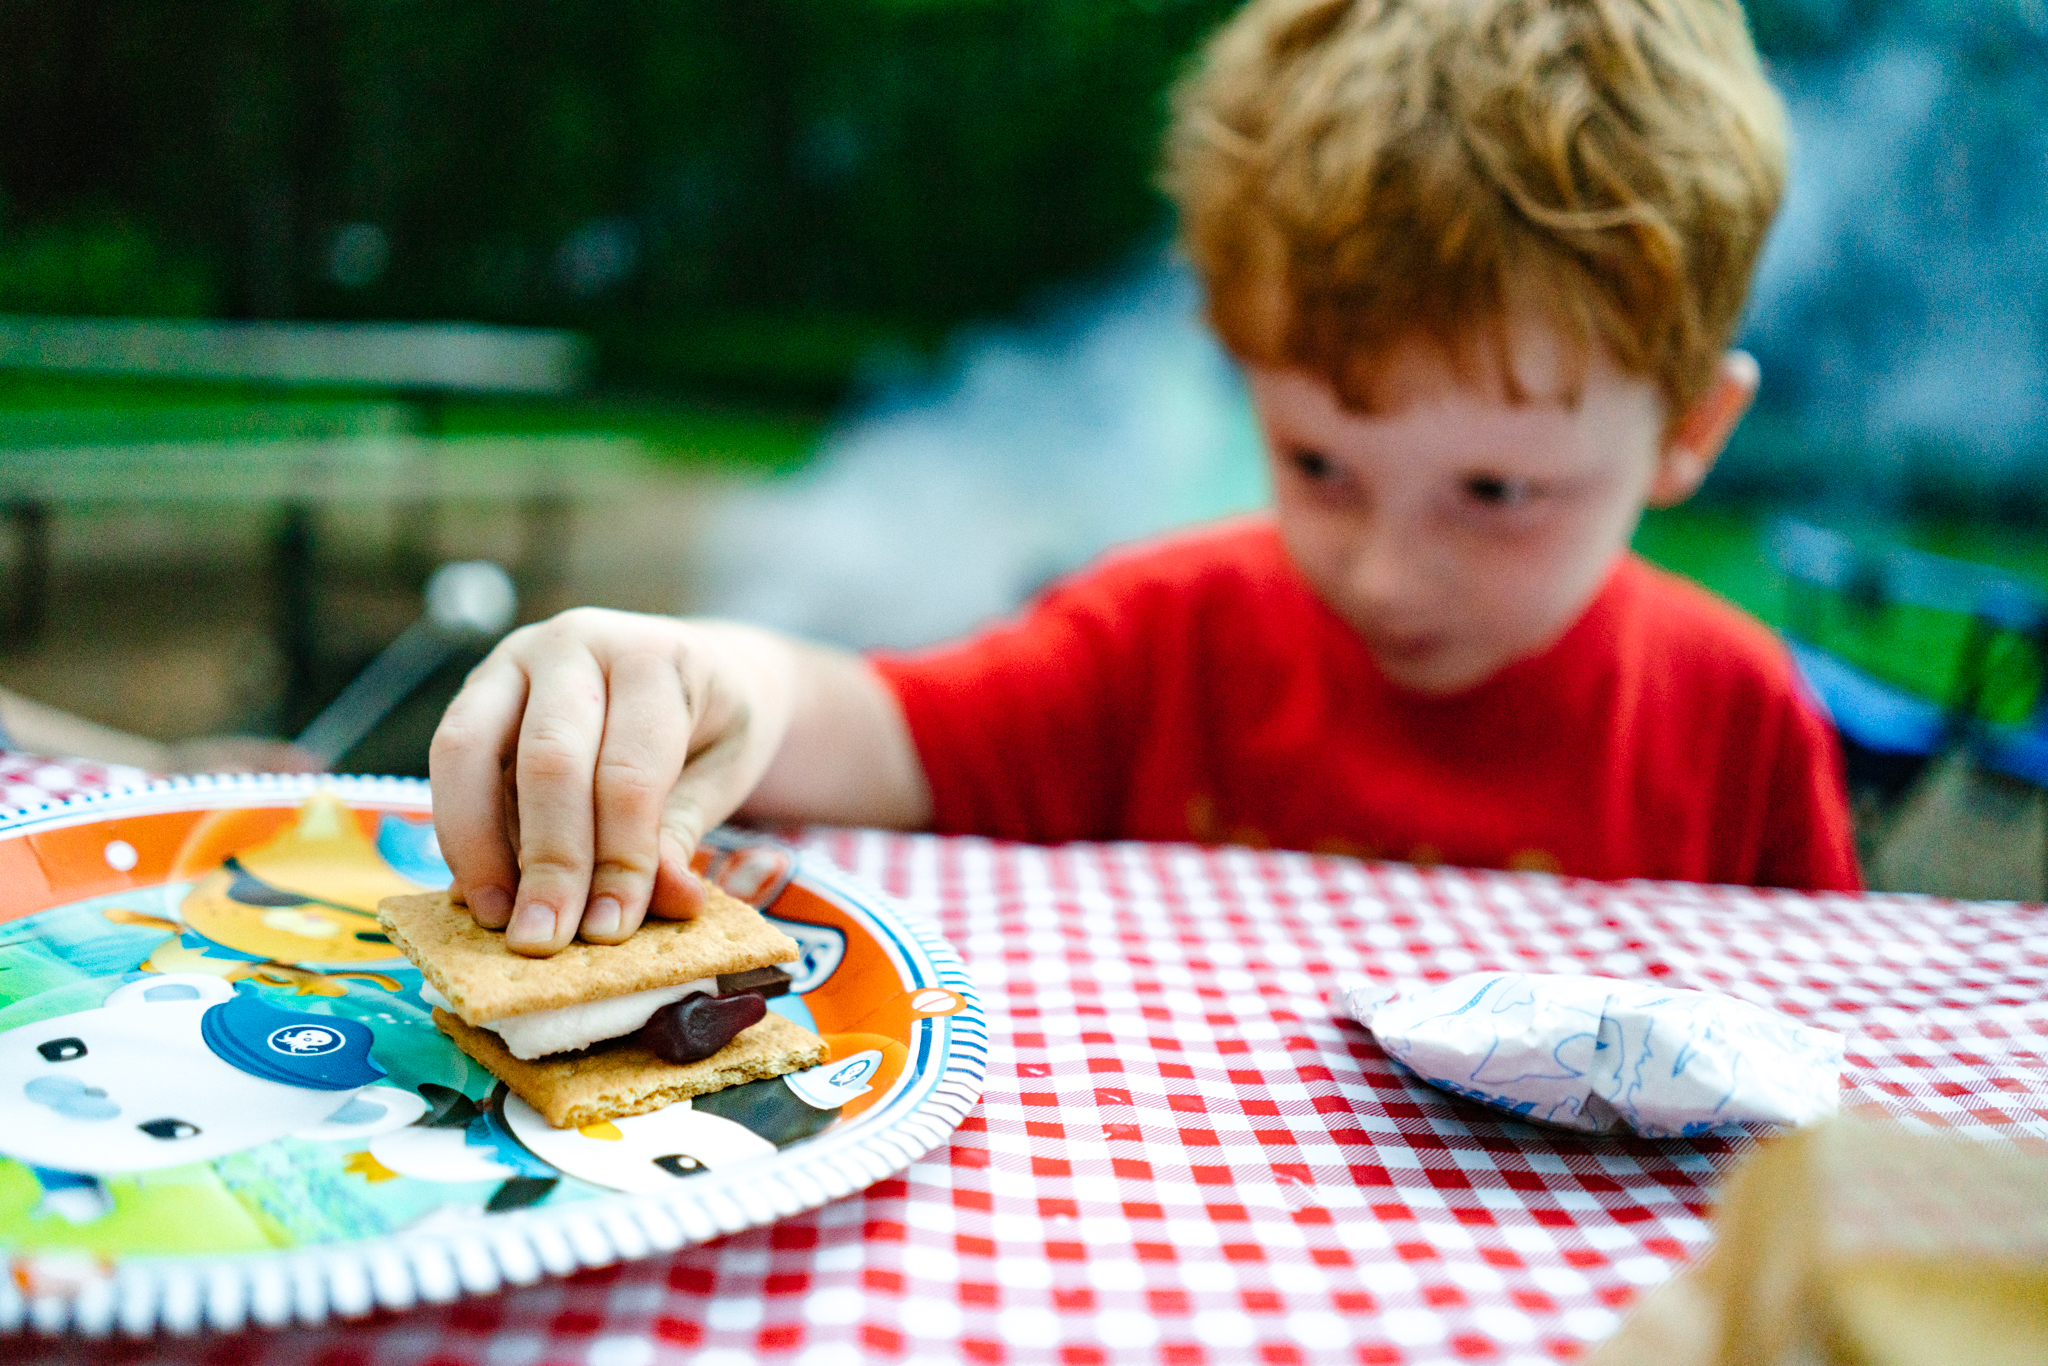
x: 595, y: 630
x: 628, y: 781
x: 685, y: 822
x: 554, y: 749
x: 458, y: 733
x: 551, y: 863
x: 623, y: 869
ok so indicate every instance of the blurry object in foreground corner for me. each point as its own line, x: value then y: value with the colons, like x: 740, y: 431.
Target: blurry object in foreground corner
x: 469, y: 603
x: 950, y: 500
x: 1856, y: 1244
x: 1948, y: 772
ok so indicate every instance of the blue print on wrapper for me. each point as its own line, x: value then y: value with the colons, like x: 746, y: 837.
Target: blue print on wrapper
x: 1507, y: 998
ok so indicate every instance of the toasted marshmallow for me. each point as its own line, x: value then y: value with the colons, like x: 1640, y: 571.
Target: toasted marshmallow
x: 568, y: 1028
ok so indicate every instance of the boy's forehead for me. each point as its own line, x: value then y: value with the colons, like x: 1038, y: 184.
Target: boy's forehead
x: 1519, y: 353
x: 1519, y: 360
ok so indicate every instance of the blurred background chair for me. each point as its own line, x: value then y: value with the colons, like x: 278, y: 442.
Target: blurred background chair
x: 1946, y: 739
x: 469, y: 605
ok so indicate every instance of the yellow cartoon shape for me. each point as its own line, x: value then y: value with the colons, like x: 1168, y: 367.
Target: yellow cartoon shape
x: 303, y: 898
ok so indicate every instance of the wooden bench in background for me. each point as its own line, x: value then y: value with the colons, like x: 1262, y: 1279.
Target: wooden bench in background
x: 369, y: 433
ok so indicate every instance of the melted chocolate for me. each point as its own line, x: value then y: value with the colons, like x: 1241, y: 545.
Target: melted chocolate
x: 697, y: 1026
x: 769, y: 981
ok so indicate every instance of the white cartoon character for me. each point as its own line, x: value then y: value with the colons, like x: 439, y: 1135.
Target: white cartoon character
x: 505, y: 1139
x: 180, y: 1068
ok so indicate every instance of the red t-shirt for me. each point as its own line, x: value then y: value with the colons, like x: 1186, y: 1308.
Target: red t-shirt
x: 1197, y: 689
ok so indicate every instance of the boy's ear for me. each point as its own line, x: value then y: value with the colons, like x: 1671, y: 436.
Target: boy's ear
x: 1697, y: 438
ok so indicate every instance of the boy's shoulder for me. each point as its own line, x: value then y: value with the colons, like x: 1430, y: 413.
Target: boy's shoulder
x: 1239, y: 556
x: 1670, y: 624
x: 1249, y: 543
x: 1228, y: 585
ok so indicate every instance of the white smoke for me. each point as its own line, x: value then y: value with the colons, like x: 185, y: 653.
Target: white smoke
x: 948, y: 502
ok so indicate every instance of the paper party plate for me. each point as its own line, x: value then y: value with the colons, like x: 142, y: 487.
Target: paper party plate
x: 160, y: 1170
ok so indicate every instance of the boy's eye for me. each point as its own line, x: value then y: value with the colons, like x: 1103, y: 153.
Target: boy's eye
x: 1495, y: 490
x: 1314, y: 465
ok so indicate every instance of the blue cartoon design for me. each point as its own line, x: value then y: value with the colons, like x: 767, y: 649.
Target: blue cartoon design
x: 177, y: 1069
x: 298, y: 908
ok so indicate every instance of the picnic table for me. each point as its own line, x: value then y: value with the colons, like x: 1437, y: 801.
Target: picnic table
x: 1184, y: 1157
x: 372, y: 435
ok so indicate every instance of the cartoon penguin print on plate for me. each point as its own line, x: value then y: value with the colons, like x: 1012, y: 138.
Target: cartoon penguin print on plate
x: 176, y: 1069
x: 300, y: 906
x: 503, y: 1137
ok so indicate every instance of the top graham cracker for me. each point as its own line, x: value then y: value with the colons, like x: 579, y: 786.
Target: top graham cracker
x: 484, y: 981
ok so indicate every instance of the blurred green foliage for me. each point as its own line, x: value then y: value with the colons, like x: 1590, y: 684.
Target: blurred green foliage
x: 746, y: 196
x: 101, y: 266
x: 744, y: 193
x: 1727, y: 548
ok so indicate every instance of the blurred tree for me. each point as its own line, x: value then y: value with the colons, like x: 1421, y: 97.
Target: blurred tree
x: 747, y: 192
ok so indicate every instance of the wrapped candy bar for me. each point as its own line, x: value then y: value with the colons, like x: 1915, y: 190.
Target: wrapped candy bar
x: 1605, y: 1055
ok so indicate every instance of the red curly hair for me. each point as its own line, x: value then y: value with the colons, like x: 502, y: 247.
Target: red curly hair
x: 1351, y: 172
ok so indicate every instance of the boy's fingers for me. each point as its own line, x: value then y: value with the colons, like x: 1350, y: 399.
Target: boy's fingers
x: 646, y: 734
x: 710, y: 789
x: 678, y: 892
x: 466, y: 771
x: 559, y: 737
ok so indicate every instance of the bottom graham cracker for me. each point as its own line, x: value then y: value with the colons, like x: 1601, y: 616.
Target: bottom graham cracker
x: 619, y: 1078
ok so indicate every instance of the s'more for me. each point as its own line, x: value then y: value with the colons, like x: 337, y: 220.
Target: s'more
x: 600, y: 1031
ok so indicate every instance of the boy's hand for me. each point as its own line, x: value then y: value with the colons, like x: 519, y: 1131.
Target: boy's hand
x: 584, y: 758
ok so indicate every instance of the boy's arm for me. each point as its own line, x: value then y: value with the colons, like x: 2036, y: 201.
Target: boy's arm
x: 847, y: 757
x: 36, y: 728
x: 41, y: 729
x: 587, y: 755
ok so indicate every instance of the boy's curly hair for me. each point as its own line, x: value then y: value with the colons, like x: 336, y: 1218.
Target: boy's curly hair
x: 1351, y: 171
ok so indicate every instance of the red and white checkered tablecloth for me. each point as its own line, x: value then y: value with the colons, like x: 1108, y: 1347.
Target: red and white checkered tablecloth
x: 1183, y: 1158
x: 31, y: 780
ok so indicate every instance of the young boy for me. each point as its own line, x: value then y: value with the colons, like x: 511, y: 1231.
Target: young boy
x: 1482, y: 260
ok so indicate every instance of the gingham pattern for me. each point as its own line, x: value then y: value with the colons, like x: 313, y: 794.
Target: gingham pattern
x: 30, y: 780
x: 1183, y: 1158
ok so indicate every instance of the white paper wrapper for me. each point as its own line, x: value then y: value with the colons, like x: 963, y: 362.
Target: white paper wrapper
x: 1601, y: 1054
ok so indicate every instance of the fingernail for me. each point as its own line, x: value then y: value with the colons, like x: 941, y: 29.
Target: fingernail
x: 492, y: 906
x: 534, y: 924
x: 603, y: 918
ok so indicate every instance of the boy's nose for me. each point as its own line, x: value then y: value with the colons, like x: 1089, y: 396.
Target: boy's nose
x: 1386, y: 571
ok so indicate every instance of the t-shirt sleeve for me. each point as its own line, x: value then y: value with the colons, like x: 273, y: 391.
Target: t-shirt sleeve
x: 1024, y: 730
x: 1809, y: 842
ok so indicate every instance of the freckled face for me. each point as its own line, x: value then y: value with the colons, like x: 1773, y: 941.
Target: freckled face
x: 1457, y: 530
